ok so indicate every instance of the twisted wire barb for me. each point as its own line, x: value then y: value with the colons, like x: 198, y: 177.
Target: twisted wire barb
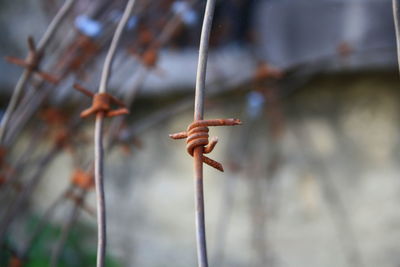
x: 32, y: 62
x: 197, y: 135
x: 101, y: 103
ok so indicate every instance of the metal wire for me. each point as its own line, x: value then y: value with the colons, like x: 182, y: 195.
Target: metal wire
x: 396, y: 17
x: 113, y: 47
x: 98, y: 176
x: 198, y: 152
x: 99, y: 149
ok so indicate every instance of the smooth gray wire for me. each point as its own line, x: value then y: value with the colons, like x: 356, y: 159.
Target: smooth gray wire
x: 202, y: 62
x: 396, y: 18
x: 113, y: 47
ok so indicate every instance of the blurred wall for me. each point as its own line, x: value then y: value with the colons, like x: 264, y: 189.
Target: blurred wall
x: 324, y: 193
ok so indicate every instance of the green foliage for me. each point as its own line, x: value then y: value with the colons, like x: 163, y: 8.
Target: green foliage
x: 75, y: 251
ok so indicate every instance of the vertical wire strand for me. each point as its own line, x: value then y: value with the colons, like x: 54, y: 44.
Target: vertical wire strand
x: 100, y: 197
x: 202, y: 62
x: 113, y: 47
x: 54, y: 24
x: 396, y: 18
x: 51, y: 29
x: 198, y: 151
x: 98, y: 133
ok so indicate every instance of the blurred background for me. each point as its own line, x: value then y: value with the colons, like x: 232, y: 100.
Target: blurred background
x: 311, y: 177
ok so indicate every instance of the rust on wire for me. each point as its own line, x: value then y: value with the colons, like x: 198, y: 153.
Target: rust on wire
x: 62, y: 139
x: 14, y: 185
x: 6, y: 170
x: 78, y: 54
x: 53, y: 117
x: 3, y: 155
x: 15, y: 262
x: 344, y: 49
x: 3, y: 180
x: 265, y: 71
x: 32, y: 62
x: 82, y: 179
x: 197, y: 136
x: 56, y: 121
x: 149, y: 58
x: 102, y: 102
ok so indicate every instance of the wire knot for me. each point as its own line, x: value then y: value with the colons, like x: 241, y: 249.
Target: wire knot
x: 32, y: 62
x: 197, y: 136
x: 102, y: 102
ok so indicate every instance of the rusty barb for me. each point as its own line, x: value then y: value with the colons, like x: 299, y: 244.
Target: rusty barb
x: 149, y: 57
x: 84, y: 181
x: 102, y: 102
x: 265, y: 71
x: 32, y: 62
x: 197, y: 136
